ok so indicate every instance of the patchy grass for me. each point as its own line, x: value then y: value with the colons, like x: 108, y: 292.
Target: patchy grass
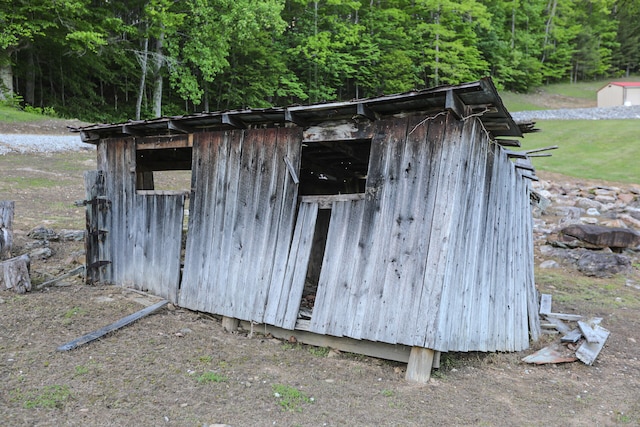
x: 51, y: 396
x: 591, y: 149
x: 290, y: 398
x: 12, y: 114
x: 211, y: 377
x: 587, y: 293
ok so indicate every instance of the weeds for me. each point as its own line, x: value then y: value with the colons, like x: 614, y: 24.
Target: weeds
x: 319, y: 351
x: 290, y: 398
x: 211, y: 377
x: 51, y: 396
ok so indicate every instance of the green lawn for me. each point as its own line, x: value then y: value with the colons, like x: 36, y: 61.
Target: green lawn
x: 606, y: 150
x: 12, y: 114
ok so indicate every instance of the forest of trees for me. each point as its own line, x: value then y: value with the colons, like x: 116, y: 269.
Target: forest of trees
x: 111, y: 60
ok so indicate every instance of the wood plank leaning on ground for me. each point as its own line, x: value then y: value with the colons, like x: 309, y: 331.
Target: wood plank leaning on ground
x: 92, y: 336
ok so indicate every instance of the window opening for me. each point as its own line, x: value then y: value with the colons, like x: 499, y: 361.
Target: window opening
x: 334, y: 167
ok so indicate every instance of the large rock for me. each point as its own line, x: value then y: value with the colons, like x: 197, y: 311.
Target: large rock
x: 603, y: 264
x: 601, y: 237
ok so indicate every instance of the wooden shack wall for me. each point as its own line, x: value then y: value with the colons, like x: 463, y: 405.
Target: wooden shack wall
x: 433, y: 257
x: 241, y: 222
x: 438, y: 253
x: 142, y: 233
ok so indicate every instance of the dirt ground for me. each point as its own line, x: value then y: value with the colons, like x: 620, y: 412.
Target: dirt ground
x: 179, y: 368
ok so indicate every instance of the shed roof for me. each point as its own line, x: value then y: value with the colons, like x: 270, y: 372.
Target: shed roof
x: 476, y: 98
x: 621, y: 84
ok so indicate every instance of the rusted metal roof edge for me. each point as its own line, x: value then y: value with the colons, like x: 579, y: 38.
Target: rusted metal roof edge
x: 479, y: 98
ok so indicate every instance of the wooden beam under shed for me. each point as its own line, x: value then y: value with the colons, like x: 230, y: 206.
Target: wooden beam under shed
x: 398, y: 353
x: 420, y: 364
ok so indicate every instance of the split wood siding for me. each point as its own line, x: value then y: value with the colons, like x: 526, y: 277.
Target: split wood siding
x: 435, y: 255
x: 241, y: 223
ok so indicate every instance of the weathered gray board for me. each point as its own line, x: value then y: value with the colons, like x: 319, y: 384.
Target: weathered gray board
x: 241, y: 223
x: 435, y: 257
x: 96, y: 210
x: 140, y: 234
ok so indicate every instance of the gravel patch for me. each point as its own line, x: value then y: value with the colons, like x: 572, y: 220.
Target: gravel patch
x: 606, y: 113
x: 16, y: 143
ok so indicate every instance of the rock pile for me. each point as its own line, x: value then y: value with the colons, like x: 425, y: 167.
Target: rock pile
x: 595, y: 228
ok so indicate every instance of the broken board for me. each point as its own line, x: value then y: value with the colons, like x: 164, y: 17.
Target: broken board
x: 92, y: 336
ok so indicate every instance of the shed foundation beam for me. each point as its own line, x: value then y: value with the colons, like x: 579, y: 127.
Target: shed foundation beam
x: 230, y: 324
x: 396, y: 352
x: 420, y: 364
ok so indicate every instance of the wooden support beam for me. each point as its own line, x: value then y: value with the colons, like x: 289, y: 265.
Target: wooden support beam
x: 92, y: 336
x: 326, y: 201
x: 230, y: 324
x: 161, y: 141
x: 364, y: 111
x: 179, y: 127
x: 90, y: 137
x: 292, y: 117
x: 339, y: 131
x: 436, y: 360
x: 526, y: 165
x: 454, y: 104
x: 508, y: 142
x: 420, y: 364
x: 399, y: 353
x: 129, y: 130
x: 230, y: 120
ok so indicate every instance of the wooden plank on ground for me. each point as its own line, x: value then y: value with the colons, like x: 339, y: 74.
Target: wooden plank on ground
x: 564, y: 316
x: 572, y: 336
x: 589, y: 331
x: 545, y: 304
x: 420, y: 364
x: 92, y: 336
x: 588, y: 351
x: 559, y: 324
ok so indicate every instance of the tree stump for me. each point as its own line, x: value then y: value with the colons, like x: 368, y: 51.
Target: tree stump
x: 6, y: 228
x: 14, y: 274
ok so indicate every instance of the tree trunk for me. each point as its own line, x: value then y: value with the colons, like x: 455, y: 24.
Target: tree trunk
x: 30, y: 85
x: 6, y: 227
x: 547, y: 30
x: 157, y: 83
x: 6, y: 77
x: 143, y: 65
x: 14, y: 274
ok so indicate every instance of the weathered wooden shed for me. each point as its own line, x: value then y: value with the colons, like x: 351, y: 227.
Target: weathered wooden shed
x: 402, y: 219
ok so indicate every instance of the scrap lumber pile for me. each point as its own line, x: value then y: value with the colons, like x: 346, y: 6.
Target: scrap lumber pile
x: 583, y: 342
